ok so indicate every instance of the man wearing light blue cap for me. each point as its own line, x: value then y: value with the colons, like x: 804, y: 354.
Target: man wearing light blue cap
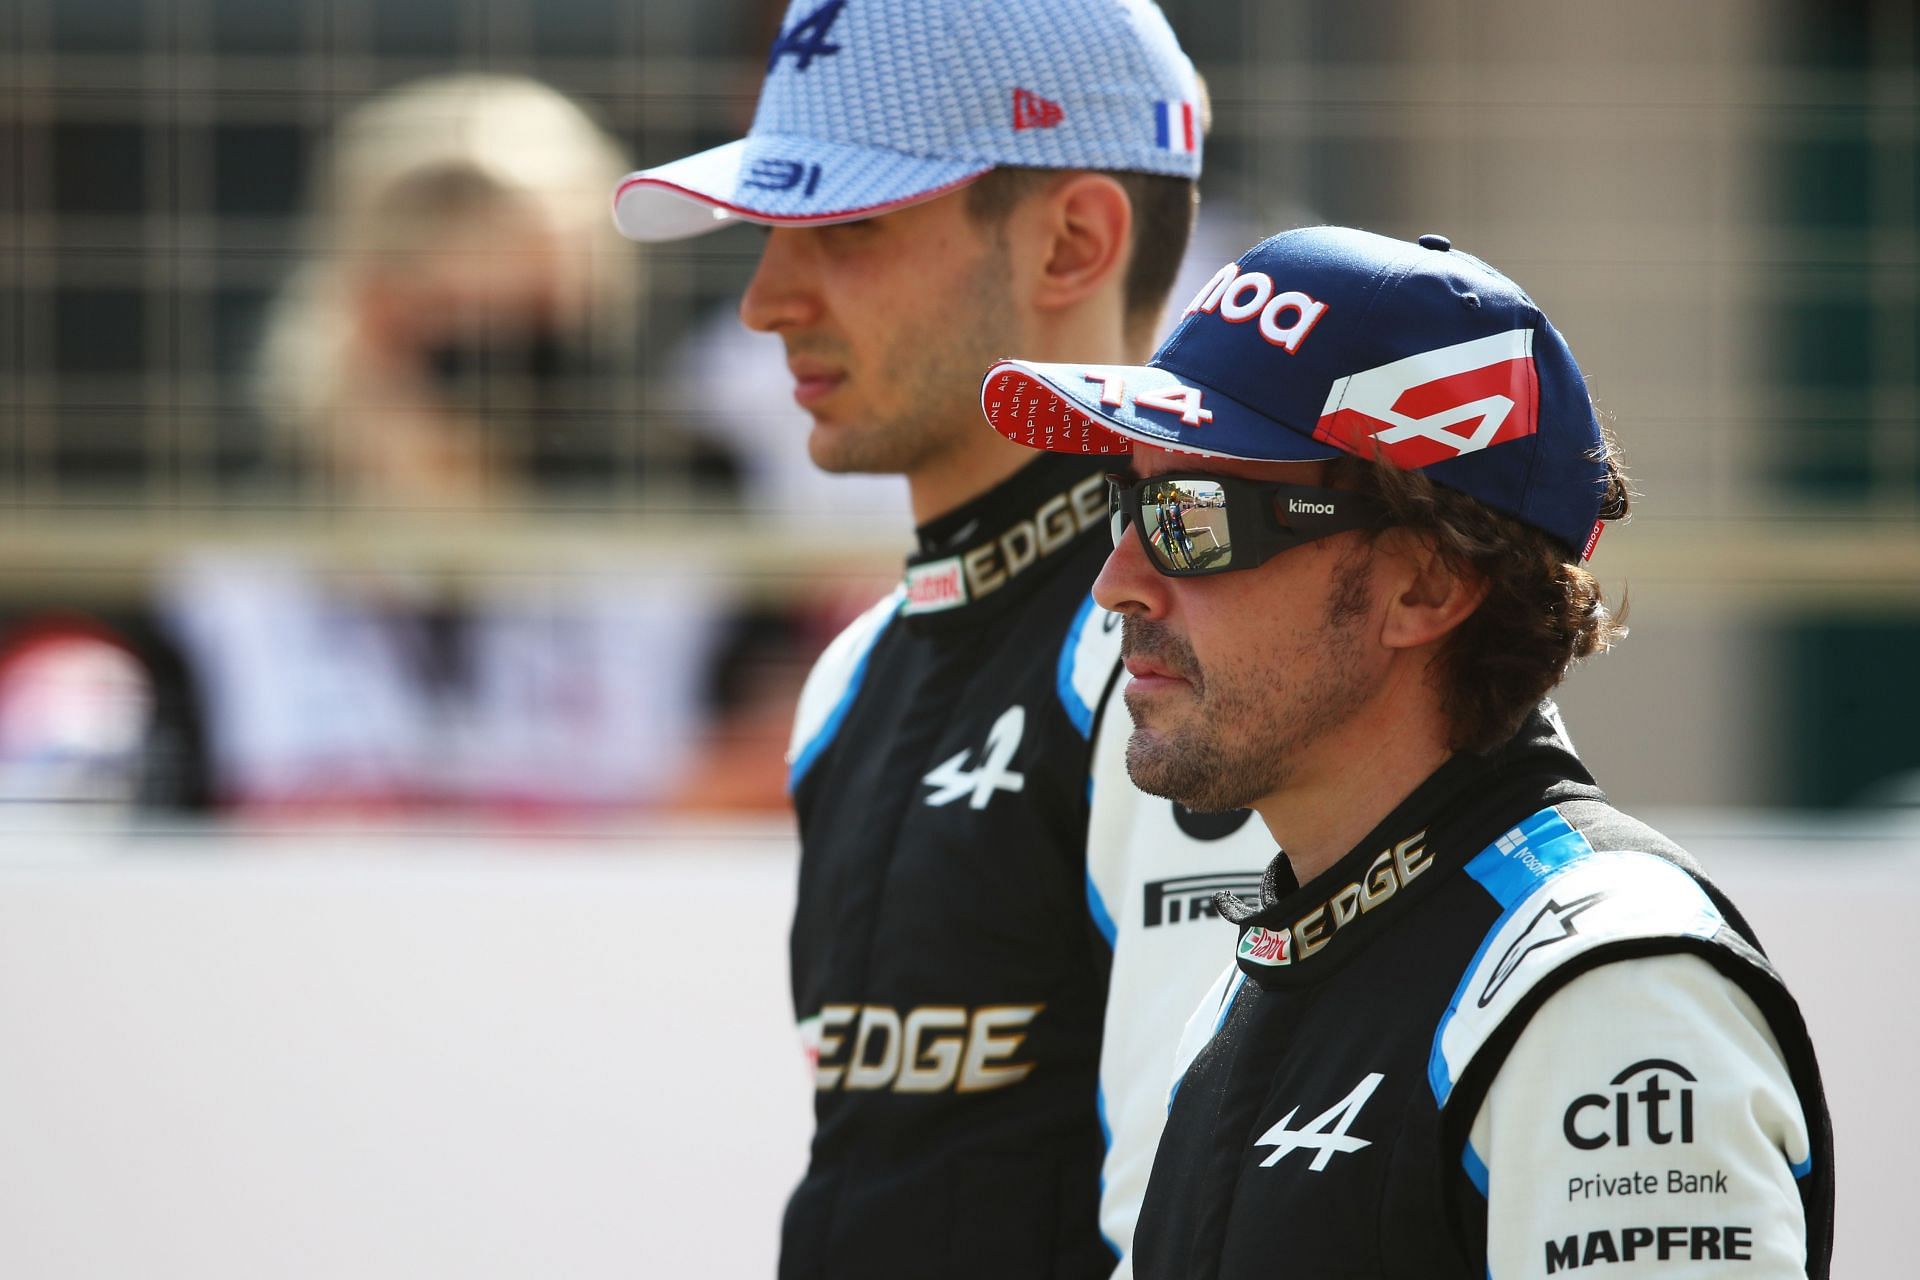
x: 1477, y: 1022
x: 997, y: 936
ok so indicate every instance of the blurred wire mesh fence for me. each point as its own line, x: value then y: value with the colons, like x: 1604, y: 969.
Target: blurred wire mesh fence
x: 1717, y: 202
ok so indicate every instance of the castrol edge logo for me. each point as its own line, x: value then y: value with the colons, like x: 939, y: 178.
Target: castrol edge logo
x: 1271, y: 947
x: 981, y: 570
x: 936, y: 586
x: 1284, y: 318
x: 1391, y: 870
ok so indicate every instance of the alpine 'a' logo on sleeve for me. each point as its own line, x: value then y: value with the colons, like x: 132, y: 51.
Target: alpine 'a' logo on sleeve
x: 1439, y: 404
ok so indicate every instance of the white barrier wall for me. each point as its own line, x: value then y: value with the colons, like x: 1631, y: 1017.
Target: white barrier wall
x: 419, y: 1056
x: 407, y: 1058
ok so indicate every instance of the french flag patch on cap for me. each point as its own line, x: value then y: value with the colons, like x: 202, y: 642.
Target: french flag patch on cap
x: 1175, y: 127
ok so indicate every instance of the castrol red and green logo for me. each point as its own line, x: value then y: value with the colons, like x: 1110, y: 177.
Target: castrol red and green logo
x: 1273, y: 947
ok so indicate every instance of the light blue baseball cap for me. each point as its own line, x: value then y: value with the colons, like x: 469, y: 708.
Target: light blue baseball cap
x: 872, y: 105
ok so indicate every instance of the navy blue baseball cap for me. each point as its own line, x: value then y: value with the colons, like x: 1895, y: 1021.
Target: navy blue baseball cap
x: 1327, y: 341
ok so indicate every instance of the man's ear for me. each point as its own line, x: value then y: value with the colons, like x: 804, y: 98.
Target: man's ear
x: 1428, y: 596
x: 1077, y: 235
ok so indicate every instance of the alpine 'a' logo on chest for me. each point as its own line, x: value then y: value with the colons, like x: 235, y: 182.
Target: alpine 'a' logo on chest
x: 1325, y: 1134
x: 952, y: 779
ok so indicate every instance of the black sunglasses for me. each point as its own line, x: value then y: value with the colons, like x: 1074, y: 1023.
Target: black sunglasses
x: 1199, y: 524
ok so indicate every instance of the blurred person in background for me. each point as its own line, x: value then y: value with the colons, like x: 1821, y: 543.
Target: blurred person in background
x: 462, y: 294
x: 77, y: 709
x: 989, y: 945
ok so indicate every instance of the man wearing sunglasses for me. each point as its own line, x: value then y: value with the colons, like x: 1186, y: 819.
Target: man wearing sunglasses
x: 1478, y: 1022
x: 997, y: 935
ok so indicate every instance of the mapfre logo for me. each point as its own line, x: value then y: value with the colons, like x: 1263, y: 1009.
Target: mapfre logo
x: 1439, y: 404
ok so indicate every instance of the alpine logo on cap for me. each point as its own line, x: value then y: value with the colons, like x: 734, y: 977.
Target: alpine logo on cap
x: 807, y: 39
x: 1031, y: 111
x: 1437, y: 405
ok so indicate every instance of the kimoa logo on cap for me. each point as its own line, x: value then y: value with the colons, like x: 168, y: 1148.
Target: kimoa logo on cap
x: 1286, y: 317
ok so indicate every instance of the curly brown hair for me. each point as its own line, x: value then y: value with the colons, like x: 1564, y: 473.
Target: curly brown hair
x: 1542, y: 611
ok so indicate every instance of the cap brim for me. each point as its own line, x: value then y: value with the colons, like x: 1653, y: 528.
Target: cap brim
x: 779, y: 181
x: 1107, y: 409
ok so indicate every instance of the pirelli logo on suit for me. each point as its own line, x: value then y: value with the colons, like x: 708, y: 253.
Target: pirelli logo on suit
x: 1192, y: 897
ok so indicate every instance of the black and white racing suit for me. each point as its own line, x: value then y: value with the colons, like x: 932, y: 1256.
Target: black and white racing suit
x: 1513, y: 1033
x: 997, y: 938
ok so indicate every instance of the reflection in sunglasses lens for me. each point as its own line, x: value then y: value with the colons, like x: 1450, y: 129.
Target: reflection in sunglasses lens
x: 1186, y: 525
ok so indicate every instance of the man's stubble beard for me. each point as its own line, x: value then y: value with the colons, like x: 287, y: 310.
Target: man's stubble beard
x: 1236, y: 747
x: 930, y: 376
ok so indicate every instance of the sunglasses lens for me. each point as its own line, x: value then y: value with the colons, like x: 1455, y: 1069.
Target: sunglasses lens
x: 1186, y: 525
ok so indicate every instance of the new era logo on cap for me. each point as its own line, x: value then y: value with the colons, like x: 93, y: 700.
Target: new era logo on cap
x: 885, y: 103
x: 1031, y: 111
x: 1329, y: 340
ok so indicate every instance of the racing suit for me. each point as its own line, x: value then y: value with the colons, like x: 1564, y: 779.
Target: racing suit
x: 1512, y: 1033
x: 996, y: 937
